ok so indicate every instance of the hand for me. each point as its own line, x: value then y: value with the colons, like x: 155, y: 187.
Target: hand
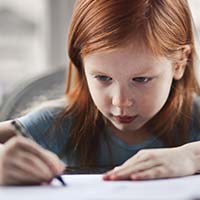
x: 22, y: 161
x: 154, y: 164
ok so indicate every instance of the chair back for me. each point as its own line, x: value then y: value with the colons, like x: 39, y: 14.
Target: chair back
x: 46, y: 87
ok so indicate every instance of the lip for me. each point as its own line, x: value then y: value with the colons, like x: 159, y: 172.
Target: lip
x: 124, y: 119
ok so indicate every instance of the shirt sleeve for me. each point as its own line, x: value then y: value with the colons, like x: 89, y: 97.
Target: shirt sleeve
x: 195, y: 121
x: 41, y: 124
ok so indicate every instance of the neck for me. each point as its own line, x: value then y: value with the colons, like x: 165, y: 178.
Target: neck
x: 130, y: 137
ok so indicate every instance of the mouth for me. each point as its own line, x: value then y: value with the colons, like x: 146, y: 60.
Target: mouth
x: 124, y: 119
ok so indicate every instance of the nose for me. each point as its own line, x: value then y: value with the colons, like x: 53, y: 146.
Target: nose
x: 121, y: 98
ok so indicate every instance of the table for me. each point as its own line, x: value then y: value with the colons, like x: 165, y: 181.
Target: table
x: 92, y: 187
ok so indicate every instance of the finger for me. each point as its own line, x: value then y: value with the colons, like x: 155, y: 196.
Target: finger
x: 111, y: 171
x: 124, y: 172
x: 134, y: 161
x: 56, y: 162
x: 153, y: 173
x: 21, y: 178
x: 141, y: 156
x: 106, y: 175
x: 52, y: 161
x: 27, y: 170
x: 17, y: 175
x: 33, y: 165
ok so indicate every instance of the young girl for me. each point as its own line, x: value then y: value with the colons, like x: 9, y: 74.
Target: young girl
x: 131, y: 98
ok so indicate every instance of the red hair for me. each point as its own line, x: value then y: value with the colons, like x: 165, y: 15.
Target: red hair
x: 163, y: 26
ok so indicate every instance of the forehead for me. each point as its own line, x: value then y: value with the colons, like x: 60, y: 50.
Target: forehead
x: 127, y: 58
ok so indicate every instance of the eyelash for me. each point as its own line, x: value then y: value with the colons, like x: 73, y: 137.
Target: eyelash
x: 142, y: 80
x: 103, y: 78
x: 138, y: 80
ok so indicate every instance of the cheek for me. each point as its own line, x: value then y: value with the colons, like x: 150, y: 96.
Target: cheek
x: 99, y: 98
x: 153, y: 101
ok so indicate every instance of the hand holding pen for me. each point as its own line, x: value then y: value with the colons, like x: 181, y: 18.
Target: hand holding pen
x: 25, y: 162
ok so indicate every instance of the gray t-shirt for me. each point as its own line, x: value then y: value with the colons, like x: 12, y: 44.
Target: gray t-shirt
x: 39, y: 124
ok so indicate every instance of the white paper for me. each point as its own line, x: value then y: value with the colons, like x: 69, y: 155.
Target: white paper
x: 92, y: 187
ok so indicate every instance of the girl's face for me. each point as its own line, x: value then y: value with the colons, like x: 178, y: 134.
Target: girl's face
x: 129, y: 85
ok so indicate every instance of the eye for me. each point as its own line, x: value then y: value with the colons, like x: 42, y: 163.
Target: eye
x: 142, y: 79
x: 103, y: 78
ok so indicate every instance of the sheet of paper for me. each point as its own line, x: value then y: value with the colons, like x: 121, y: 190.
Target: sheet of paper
x: 92, y: 187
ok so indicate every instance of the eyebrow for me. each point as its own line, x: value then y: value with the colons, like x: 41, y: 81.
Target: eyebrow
x: 138, y: 74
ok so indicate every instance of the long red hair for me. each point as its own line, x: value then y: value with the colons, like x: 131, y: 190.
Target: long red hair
x: 163, y: 26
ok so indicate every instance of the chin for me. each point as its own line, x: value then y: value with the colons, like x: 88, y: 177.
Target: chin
x: 127, y: 127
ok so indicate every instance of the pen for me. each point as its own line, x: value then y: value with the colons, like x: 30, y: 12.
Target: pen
x: 20, y: 130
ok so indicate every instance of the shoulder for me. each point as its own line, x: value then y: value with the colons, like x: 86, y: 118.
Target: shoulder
x: 43, y: 114
x: 42, y: 121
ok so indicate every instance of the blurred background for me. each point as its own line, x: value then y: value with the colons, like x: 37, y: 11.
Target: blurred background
x: 33, y: 37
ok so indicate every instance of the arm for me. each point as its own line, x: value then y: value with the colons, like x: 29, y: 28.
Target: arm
x: 159, y: 163
x: 194, y: 149
x: 22, y: 161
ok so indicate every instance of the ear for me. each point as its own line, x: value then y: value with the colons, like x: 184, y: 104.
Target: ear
x: 180, y: 65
